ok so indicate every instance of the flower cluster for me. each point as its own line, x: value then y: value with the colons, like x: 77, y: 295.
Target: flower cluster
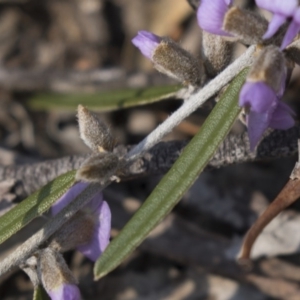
x: 282, y: 11
x: 261, y: 95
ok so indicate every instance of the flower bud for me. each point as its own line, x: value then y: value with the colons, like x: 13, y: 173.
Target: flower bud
x: 217, y: 53
x: 56, y: 277
x: 233, y: 23
x: 95, y: 133
x: 270, y: 68
x: 98, y: 168
x: 246, y: 26
x: 169, y: 58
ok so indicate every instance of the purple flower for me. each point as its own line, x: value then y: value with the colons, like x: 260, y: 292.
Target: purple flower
x: 264, y: 110
x: 55, y: 276
x: 100, y: 214
x: 292, y: 30
x: 146, y: 42
x: 211, y: 15
x: 65, y: 292
x: 282, y: 10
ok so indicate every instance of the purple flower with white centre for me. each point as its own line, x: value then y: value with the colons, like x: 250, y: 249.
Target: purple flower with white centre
x: 211, y: 15
x: 146, y: 42
x: 65, y: 292
x: 99, y: 212
x: 282, y: 10
x: 264, y: 110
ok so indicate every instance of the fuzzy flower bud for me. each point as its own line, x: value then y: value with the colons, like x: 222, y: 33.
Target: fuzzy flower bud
x: 169, y: 58
x: 98, y: 168
x: 95, y: 133
x: 56, y: 277
x: 219, y: 17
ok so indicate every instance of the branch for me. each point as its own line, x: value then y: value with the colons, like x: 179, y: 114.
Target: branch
x: 158, y: 160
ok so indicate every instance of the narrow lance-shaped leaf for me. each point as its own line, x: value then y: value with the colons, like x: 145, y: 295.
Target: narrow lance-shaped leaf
x: 177, y: 181
x: 34, y: 205
x: 104, y: 101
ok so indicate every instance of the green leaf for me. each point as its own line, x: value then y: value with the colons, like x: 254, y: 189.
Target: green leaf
x: 103, y: 101
x: 40, y: 294
x: 177, y: 181
x: 34, y: 205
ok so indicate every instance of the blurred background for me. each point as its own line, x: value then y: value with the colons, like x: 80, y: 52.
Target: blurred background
x: 52, y: 49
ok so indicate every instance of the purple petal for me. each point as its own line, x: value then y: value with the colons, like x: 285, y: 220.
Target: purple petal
x: 64, y: 200
x: 274, y: 25
x: 211, y: 15
x: 292, y: 30
x: 99, y: 211
x: 94, y: 205
x: 146, y: 42
x: 282, y: 7
x: 228, y: 2
x: 281, y: 118
x: 257, y: 123
x: 258, y: 95
x: 65, y: 292
x: 101, y: 234
x: 71, y: 194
